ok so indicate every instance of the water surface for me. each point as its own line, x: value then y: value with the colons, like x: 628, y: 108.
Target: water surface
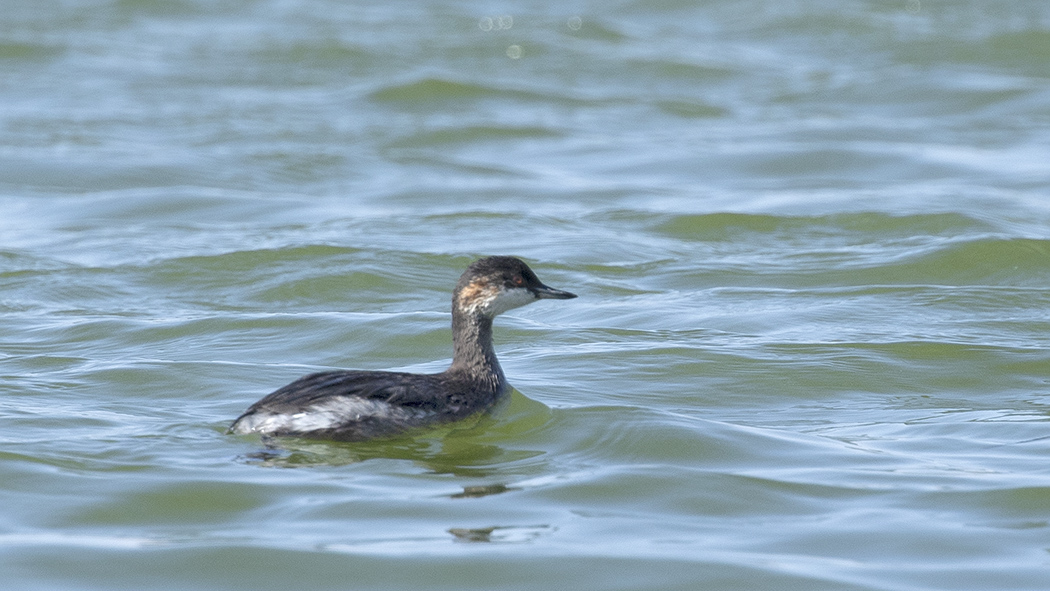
x: 809, y: 238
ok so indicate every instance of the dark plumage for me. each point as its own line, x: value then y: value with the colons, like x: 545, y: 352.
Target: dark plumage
x: 359, y: 405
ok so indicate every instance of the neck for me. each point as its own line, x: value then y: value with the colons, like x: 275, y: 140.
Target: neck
x: 472, y: 345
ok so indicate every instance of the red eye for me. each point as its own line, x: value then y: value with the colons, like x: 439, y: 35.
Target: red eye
x: 519, y: 280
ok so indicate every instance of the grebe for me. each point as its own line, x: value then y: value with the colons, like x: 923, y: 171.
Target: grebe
x: 361, y: 405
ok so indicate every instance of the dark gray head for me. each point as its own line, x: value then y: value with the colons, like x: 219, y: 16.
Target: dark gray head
x: 493, y: 285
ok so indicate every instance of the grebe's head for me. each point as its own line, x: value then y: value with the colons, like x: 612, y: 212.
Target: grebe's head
x: 493, y: 285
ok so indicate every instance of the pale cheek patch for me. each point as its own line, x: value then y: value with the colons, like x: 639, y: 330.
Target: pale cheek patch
x: 481, y: 297
x: 508, y: 300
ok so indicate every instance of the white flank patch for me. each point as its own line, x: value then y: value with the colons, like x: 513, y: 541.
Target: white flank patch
x: 331, y: 413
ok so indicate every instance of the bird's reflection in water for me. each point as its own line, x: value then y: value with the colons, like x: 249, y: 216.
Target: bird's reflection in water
x: 470, y: 449
x: 482, y: 490
x: 481, y: 450
x: 500, y: 533
x: 457, y: 458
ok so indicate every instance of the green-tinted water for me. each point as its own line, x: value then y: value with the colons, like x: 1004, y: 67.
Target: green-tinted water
x: 810, y: 241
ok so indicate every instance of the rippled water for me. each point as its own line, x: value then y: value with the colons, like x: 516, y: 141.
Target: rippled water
x: 810, y: 239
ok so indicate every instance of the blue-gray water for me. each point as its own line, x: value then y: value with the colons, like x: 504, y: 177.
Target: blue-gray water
x: 811, y: 241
